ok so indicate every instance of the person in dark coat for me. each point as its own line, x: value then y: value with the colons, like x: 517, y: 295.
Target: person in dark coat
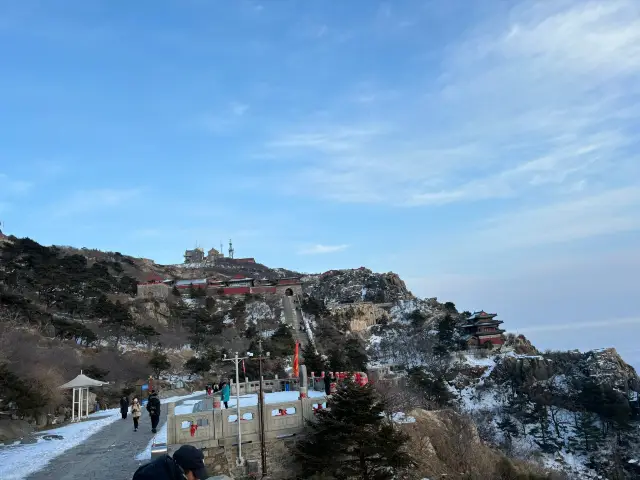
x: 327, y: 383
x: 153, y: 407
x: 187, y: 463
x: 124, y: 407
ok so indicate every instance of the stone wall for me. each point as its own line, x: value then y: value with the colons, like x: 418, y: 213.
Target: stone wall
x: 157, y: 290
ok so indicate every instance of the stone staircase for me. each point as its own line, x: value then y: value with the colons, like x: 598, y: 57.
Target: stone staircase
x: 293, y: 317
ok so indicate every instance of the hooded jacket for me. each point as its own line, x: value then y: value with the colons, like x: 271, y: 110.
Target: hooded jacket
x: 163, y: 468
x: 153, y: 405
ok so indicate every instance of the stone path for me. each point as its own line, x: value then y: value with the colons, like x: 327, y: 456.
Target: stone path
x: 107, y: 455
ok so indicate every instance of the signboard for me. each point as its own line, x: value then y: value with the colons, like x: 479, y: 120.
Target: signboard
x: 145, y: 387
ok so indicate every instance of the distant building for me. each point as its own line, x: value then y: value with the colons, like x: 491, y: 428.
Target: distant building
x: 482, y: 328
x: 194, y: 256
x: 213, y: 255
x: 195, y: 283
x: 289, y: 286
x: 154, y: 286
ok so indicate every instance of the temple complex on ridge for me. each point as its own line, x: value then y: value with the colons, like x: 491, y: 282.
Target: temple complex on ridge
x: 213, y: 256
x: 482, y: 330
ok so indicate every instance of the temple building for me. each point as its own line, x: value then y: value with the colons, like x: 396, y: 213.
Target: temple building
x: 482, y: 328
x: 194, y: 256
x: 213, y: 255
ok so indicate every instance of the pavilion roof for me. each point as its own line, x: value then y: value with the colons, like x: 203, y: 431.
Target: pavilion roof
x: 82, y: 381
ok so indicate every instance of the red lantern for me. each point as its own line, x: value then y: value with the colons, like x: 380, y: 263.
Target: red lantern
x: 194, y: 428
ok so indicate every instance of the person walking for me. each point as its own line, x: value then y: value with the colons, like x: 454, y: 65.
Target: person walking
x: 136, y: 413
x: 153, y: 407
x: 187, y: 464
x: 225, y: 394
x: 124, y: 407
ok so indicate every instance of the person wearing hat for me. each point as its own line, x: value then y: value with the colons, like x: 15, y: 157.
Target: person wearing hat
x: 187, y: 464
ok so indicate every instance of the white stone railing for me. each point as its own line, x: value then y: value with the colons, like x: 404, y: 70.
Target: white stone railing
x: 219, y: 427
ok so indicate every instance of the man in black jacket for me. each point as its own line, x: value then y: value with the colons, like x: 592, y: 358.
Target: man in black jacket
x: 153, y: 407
x: 187, y: 464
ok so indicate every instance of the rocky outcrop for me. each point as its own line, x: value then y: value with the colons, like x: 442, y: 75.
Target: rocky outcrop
x: 356, y: 285
x: 523, y: 369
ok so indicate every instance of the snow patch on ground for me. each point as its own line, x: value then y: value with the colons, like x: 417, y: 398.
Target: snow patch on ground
x: 307, y: 326
x: 400, y: 417
x: 19, y: 461
x: 257, y: 312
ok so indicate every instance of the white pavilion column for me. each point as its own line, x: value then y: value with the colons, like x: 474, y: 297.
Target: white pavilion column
x: 80, y: 403
x: 73, y: 406
x: 86, y: 403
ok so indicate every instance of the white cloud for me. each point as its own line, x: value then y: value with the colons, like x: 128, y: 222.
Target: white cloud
x: 322, y: 249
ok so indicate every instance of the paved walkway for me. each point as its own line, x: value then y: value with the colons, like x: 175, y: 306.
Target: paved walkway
x: 107, y: 455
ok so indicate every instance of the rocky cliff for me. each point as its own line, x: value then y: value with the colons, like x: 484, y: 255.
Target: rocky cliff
x: 361, y: 284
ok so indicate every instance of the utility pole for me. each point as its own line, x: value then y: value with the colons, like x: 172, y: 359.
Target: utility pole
x: 263, y: 450
x: 236, y: 360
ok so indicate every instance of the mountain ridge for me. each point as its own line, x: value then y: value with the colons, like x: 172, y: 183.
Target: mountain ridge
x: 63, y: 309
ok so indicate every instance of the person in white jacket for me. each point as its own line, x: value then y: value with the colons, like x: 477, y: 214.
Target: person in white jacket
x: 136, y: 413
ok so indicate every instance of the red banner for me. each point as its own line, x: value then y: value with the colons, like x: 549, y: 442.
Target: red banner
x: 244, y: 370
x: 296, y: 365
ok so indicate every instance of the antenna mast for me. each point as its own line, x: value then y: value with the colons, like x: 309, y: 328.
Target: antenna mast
x: 231, y: 250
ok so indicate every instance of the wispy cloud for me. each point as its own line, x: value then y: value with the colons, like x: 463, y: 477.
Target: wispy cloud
x: 238, y: 109
x: 320, y: 249
x: 225, y: 119
x: 611, y: 212
x: 541, y: 103
x: 578, y: 326
x: 12, y: 186
x: 88, y: 201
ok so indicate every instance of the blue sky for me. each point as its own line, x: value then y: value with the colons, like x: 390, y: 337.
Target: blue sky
x: 485, y: 150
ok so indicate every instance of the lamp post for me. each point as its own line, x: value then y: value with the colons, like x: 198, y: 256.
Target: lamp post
x: 236, y: 360
x: 263, y: 450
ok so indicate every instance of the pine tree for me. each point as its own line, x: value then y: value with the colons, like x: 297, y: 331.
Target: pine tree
x: 352, y: 439
x: 446, y: 330
x: 356, y: 355
x: 586, y: 435
x: 159, y: 362
x: 312, y: 360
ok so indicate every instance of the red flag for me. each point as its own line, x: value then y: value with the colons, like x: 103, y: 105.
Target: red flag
x: 296, y: 366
